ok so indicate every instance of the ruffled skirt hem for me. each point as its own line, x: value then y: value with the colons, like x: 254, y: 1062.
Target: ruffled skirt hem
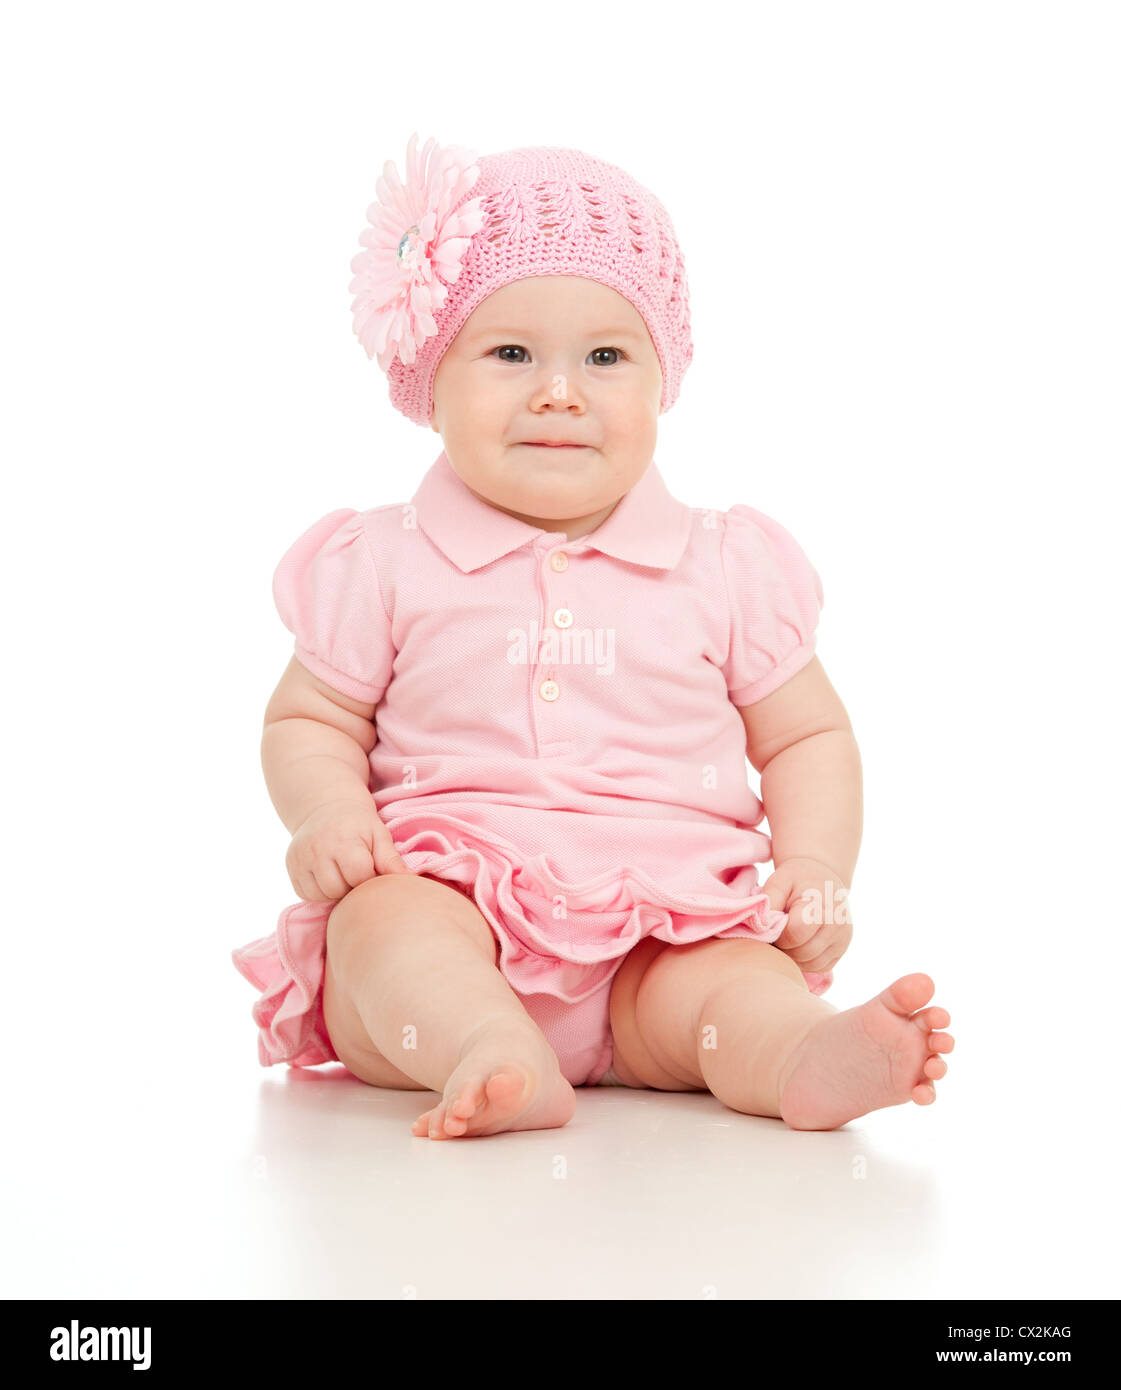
x: 287, y: 967
x: 558, y: 938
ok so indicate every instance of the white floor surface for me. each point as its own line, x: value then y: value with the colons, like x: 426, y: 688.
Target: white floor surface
x: 131, y: 1178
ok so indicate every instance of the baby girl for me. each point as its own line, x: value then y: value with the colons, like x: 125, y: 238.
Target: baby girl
x: 511, y: 746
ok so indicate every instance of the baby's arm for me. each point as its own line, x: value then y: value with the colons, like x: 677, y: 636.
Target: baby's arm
x: 315, y: 756
x: 801, y: 742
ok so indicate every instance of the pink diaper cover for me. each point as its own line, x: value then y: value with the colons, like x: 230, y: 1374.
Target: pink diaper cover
x: 561, y: 968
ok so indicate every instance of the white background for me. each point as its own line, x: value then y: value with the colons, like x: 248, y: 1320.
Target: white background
x: 901, y: 227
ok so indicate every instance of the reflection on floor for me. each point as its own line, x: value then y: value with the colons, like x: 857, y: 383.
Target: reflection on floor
x: 210, y: 1179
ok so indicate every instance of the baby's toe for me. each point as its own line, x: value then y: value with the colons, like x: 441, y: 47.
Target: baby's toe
x: 466, y: 1102
x: 934, y: 1017
x: 505, y: 1088
x: 463, y: 1106
x: 935, y: 1068
x: 923, y: 1093
x: 940, y: 1042
x: 908, y: 993
x: 436, y: 1119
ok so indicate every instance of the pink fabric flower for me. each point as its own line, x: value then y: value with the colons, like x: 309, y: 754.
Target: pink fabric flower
x: 415, y: 249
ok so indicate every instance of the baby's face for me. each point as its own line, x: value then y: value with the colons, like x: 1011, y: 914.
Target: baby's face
x: 552, y: 357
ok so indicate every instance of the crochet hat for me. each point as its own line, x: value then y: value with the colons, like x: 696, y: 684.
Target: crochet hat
x: 460, y: 227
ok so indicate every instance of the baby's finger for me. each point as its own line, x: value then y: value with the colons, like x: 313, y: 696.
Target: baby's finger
x: 798, y: 933
x: 307, y: 890
x: 824, y: 953
x: 355, y: 863
x: 806, y: 959
x: 387, y: 857
x: 821, y: 963
x: 330, y: 881
x: 777, y: 891
x: 389, y: 861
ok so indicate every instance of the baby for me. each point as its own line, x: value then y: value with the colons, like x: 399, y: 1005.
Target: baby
x: 511, y: 745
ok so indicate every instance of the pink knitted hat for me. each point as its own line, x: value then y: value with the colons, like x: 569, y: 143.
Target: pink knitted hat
x: 460, y: 227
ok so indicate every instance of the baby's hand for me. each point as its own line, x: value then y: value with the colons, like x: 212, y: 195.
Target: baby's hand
x: 339, y: 846
x: 819, y: 929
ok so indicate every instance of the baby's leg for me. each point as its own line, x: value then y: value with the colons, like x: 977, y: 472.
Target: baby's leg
x: 412, y: 991
x: 735, y: 1016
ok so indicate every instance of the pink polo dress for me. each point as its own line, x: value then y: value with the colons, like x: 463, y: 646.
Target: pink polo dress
x: 558, y: 734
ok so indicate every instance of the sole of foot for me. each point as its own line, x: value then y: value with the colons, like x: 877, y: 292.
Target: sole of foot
x: 884, y: 1052
x: 507, y: 1078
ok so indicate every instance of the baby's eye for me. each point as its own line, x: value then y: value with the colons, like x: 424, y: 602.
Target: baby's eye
x: 514, y: 347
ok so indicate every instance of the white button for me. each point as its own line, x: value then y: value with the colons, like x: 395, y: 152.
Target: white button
x: 562, y: 618
x: 549, y: 690
x: 559, y: 560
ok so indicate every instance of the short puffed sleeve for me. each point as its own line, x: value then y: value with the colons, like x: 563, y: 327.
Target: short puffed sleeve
x: 328, y: 595
x: 774, y: 598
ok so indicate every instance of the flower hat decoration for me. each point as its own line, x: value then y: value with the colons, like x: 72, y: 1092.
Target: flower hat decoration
x: 415, y: 245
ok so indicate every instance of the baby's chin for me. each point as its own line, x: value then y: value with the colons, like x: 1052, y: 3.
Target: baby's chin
x: 557, y: 476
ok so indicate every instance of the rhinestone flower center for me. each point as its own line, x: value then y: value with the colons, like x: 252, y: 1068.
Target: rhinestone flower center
x: 408, y: 247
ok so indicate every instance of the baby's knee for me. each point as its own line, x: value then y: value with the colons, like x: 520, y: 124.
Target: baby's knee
x: 378, y: 900
x: 415, y: 904
x: 750, y: 954
x: 720, y: 959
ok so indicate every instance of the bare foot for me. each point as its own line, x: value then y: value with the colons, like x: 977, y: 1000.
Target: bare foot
x: 508, y: 1077
x: 881, y: 1053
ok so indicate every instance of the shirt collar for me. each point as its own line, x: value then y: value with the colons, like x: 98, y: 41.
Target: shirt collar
x: 647, y: 527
